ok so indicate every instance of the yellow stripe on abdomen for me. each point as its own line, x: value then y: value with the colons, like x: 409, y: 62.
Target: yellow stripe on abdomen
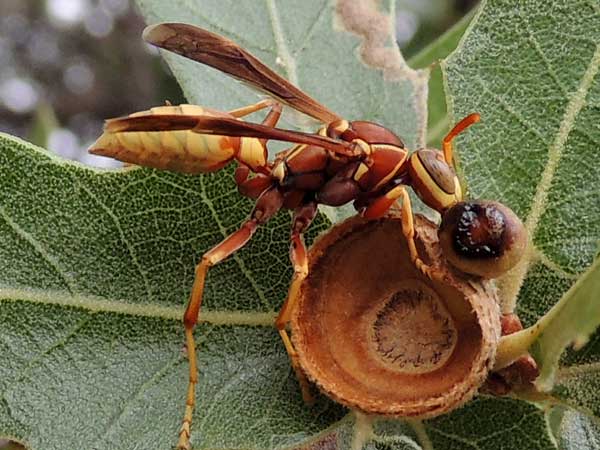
x: 180, y: 151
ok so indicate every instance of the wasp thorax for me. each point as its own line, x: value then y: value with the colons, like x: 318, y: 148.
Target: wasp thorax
x: 482, y: 238
x: 376, y: 335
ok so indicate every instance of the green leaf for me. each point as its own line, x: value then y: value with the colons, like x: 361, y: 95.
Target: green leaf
x: 572, y: 320
x: 491, y: 423
x: 531, y: 71
x: 97, y: 265
x: 534, y: 148
x: 96, y: 269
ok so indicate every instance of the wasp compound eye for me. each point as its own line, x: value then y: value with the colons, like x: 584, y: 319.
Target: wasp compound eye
x: 482, y: 237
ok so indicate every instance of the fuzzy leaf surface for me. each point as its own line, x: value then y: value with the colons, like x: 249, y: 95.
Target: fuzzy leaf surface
x: 531, y: 70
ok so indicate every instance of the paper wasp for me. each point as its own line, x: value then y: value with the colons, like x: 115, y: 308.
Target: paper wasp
x: 344, y: 161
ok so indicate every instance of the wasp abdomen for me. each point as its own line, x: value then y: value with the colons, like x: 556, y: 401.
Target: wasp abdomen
x: 181, y: 150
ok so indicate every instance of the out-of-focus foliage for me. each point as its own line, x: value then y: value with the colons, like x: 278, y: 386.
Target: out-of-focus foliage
x: 77, y: 62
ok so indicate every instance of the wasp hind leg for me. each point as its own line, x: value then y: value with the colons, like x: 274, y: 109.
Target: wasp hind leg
x: 379, y: 206
x: 303, y: 216
x: 266, y: 206
x: 253, y: 187
x: 246, y: 110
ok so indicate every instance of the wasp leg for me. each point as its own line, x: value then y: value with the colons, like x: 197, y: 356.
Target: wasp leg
x: 245, y: 110
x: 380, y: 206
x: 303, y: 216
x: 458, y: 128
x: 251, y: 187
x: 271, y: 119
x: 266, y: 206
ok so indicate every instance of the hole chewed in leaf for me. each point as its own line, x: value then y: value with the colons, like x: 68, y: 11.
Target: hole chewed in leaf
x: 376, y: 29
x: 380, y: 51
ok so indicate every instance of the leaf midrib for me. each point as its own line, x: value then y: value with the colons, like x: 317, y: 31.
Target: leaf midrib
x: 95, y: 304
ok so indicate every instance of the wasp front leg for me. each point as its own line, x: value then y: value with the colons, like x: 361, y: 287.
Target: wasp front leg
x: 303, y: 216
x: 379, y: 206
x: 266, y: 206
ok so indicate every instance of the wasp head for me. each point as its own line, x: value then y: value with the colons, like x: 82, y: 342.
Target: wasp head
x: 433, y: 179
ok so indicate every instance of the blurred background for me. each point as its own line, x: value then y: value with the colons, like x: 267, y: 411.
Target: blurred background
x: 66, y: 65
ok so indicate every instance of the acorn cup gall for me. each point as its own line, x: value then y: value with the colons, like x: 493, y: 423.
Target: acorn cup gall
x: 481, y: 237
x: 375, y: 334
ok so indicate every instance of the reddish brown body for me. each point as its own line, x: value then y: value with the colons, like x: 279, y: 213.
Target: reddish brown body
x: 307, y: 174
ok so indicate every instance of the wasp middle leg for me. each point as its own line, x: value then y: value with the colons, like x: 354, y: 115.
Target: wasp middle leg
x: 303, y: 216
x: 380, y: 205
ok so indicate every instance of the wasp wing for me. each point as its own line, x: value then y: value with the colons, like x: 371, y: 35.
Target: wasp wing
x: 224, y: 126
x: 225, y: 55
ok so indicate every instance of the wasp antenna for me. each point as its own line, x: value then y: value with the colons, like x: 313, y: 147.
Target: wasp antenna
x: 458, y: 128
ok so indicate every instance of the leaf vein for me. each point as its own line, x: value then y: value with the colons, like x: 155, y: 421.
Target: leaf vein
x: 130, y: 248
x: 311, y: 29
x: 274, y: 393
x: 194, y: 11
x: 567, y: 372
x: 217, y: 395
x: 526, y: 125
x: 38, y: 247
x: 289, y: 63
x: 98, y: 304
x: 455, y: 437
x: 114, y: 419
x: 516, y: 425
x: 421, y: 432
x: 49, y: 349
x: 538, y: 48
x: 546, y: 261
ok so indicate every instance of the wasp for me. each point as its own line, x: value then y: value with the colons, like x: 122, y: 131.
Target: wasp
x: 344, y: 161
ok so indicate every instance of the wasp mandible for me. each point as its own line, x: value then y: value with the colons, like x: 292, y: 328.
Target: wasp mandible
x: 344, y: 161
